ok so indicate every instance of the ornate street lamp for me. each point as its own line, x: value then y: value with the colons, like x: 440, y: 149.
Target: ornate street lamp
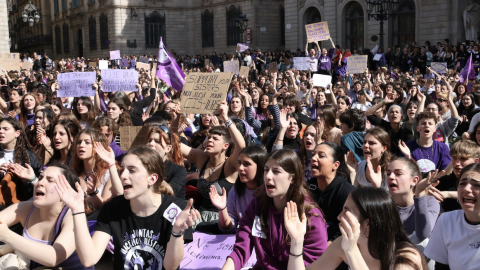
x: 242, y: 23
x: 27, y: 14
x: 381, y: 10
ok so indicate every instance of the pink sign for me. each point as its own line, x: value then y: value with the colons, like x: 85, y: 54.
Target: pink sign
x: 114, y: 55
x: 209, y: 252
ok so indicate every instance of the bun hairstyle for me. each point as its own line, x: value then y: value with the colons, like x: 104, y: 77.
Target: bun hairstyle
x: 153, y: 163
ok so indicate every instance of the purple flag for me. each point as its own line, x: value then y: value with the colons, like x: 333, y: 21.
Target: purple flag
x: 467, y: 71
x: 168, y: 69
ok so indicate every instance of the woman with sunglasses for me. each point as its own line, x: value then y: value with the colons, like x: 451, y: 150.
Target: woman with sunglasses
x: 167, y: 145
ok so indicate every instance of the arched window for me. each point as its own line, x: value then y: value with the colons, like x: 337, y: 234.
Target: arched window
x: 354, y: 26
x: 103, y: 31
x: 234, y: 35
x: 311, y: 15
x: 75, y: 3
x: 92, y: 33
x: 154, y: 29
x: 58, y: 39
x: 207, y: 29
x: 66, y: 38
x: 55, y: 7
x: 64, y: 5
x: 404, y: 23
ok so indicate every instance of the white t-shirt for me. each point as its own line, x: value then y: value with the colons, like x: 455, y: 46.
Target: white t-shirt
x: 248, y: 61
x: 473, y: 122
x: 361, y: 179
x: 8, y: 157
x: 450, y: 242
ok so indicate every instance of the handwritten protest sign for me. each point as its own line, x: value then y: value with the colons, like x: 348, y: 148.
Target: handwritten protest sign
x: 119, y: 80
x: 242, y: 47
x: 10, y: 61
x: 92, y: 64
x: 377, y: 57
x: 357, y: 64
x: 272, y: 67
x: 115, y: 55
x: 210, y: 252
x: 439, y: 67
x: 143, y: 60
x: 27, y: 65
x: 140, y: 65
x: 76, y: 84
x: 244, y: 72
x: 321, y: 80
x: 133, y: 136
x: 317, y: 31
x: 103, y: 64
x: 231, y: 66
x: 207, y: 62
x: 203, y: 92
x: 301, y: 63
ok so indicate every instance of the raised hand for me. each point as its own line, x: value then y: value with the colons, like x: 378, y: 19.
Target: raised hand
x: 284, y: 119
x: 220, y: 202
x: 71, y: 198
x: 423, y: 184
x: 350, y: 228
x: 351, y: 162
x: 186, y: 218
x: 404, y: 148
x: 295, y: 226
x: 223, y: 111
x: 106, y: 155
x: 373, y: 176
x: 389, y: 98
x: 22, y: 172
x: 144, y: 116
x: 434, y: 192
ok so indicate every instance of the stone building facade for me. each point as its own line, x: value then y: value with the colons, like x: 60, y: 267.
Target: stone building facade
x: 92, y: 28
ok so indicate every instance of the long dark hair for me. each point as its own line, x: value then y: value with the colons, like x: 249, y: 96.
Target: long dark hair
x: 297, y: 192
x: 20, y: 154
x: 337, y: 154
x: 72, y: 130
x: 383, y: 137
x: 387, y: 240
x: 124, y: 118
x: 91, y: 109
x: 23, y: 111
x: 258, y: 155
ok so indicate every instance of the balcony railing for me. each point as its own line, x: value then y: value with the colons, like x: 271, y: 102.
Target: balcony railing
x: 35, y: 41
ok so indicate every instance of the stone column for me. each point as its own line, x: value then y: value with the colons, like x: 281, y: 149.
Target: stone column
x: 4, y: 48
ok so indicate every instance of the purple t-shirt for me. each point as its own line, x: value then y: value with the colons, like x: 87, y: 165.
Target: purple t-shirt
x: 429, y: 158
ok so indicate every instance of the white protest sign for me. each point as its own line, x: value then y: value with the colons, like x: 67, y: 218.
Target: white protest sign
x: 439, y: 67
x: 317, y: 31
x: 301, y: 63
x: 210, y: 252
x: 119, y: 80
x: 321, y: 80
x: 76, y: 84
x: 231, y: 66
x: 377, y: 57
x: 103, y: 64
x: 357, y: 64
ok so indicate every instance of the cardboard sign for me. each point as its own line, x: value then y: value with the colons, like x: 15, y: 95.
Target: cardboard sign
x: 76, y: 84
x: 241, y: 47
x: 272, y: 67
x: 301, y: 63
x: 10, y: 61
x: 119, y: 80
x: 377, y: 57
x: 357, y: 64
x: 133, y: 136
x: 317, y: 31
x: 210, y: 252
x: 27, y: 65
x: 203, y: 92
x: 140, y: 65
x: 92, y: 64
x: 207, y: 62
x: 439, y: 67
x: 321, y: 80
x: 103, y: 64
x: 244, y: 72
x: 115, y: 55
x: 231, y: 66
x: 143, y: 60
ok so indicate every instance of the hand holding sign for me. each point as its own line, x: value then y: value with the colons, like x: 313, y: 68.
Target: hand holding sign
x: 317, y: 31
x: 186, y: 218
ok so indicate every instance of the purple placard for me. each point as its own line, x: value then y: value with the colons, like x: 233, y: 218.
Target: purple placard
x: 243, y: 47
x: 124, y: 62
x: 209, y: 252
x: 114, y: 55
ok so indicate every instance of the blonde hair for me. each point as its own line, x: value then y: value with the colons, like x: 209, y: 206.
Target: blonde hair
x: 465, y: 149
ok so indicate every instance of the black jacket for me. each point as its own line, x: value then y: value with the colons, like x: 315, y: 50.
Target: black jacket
x: 175, y: 175
x: 136, y: 110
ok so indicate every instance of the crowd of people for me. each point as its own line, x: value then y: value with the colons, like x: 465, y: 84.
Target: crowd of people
x: 378, y: 170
